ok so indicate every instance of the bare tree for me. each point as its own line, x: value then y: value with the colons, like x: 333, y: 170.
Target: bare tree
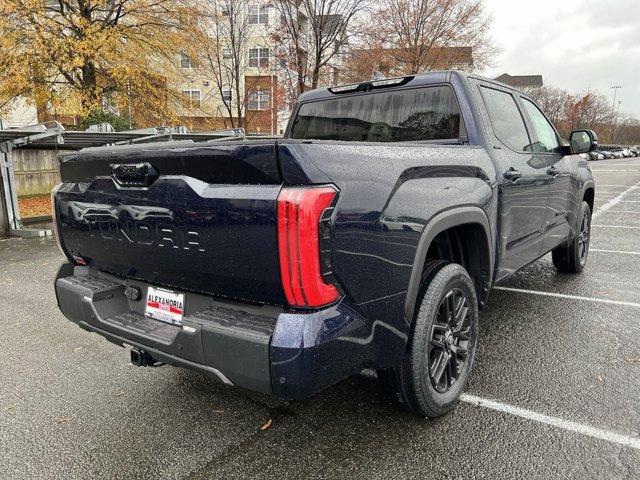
x: 628, y: 131
x: 588, y: 110
x: 228, y: 27
x: 553, y: 101
x: 413, y: 36
x: 310, y: 35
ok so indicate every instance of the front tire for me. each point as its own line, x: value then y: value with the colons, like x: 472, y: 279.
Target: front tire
x: 435, y: 372
x: 572, y: 257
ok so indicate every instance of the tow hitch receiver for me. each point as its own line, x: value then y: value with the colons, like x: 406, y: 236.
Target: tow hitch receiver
x: 141, y: 358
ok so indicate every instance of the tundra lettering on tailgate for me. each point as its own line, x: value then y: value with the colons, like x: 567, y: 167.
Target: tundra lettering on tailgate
x: 145, y: 234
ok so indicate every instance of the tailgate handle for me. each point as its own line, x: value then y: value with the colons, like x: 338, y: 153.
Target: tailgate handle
x: 134, y: 174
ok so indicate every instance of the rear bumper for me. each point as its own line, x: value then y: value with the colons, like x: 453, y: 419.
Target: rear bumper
x: 265, y: 349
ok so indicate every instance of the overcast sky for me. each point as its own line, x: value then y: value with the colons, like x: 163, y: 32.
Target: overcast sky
x: 574, y: 44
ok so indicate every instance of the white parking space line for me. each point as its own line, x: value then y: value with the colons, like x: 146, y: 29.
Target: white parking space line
x: 606, y: 435
x: 616, y: 186
x: 616, y: 170
x: 569, y: 297
x: 617, y: 226
x: 619, y: 252
x: 624, y: 163
x: 634, y: 212
x: 617, y: 193
x: 614, y: 201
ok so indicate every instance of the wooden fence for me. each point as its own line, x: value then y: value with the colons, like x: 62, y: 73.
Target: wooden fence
x: 36, y: 171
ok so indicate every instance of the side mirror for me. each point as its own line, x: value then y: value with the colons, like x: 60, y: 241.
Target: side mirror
x: 583, y: 141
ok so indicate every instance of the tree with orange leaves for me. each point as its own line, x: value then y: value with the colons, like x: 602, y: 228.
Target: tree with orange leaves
x: 85, y: 55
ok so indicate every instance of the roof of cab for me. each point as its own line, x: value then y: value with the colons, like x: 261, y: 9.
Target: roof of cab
x: 440, y: 76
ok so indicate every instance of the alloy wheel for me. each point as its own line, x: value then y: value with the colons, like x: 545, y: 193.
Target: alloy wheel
x: 583, y: 238
x: 449, y: 342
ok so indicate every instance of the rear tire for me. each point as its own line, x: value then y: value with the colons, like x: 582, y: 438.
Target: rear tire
x: 572, y: 257
x: 435, y: 371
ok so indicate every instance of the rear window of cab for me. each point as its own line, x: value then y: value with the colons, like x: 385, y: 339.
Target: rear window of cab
x: 418, y: 114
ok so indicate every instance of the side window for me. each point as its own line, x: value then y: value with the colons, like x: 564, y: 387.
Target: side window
x: 547, y: 138
x: 506, y: 119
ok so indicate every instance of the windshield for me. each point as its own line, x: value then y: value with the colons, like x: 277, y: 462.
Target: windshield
x: 429, y: 113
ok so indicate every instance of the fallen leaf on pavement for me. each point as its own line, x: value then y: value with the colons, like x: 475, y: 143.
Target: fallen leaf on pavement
x: 266, y: 425
x: 77, y: 349
x: 632, y: 359
x: 35, y: 205
x: 119, y: 393
x: 63, y: 419
x: 218, y: 410
x: 600, y: 379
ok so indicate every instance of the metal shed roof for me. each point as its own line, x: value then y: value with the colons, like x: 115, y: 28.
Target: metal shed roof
x: 54, y: 136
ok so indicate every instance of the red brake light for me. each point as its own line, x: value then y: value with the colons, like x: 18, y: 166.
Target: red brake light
x: 299, y: 214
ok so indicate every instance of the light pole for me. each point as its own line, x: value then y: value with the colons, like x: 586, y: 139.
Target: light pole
x: 615, y: 89
x: 615, y: 123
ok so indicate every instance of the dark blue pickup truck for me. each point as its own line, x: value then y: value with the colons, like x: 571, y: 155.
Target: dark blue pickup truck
x: 369, y: 237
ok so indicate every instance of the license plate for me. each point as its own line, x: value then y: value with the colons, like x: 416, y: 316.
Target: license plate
x: 165, y: 305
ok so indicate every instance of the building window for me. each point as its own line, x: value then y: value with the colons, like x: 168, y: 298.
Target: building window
x: 259, y: 14
x: 227, y: 97
x: 192, y: 98
x: 259, y: 100
x: 185, y: 61
x: 226, y: 52
x: 259, y: 57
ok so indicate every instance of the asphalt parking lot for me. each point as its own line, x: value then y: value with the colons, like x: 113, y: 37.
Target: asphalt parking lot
x: 555, y: 392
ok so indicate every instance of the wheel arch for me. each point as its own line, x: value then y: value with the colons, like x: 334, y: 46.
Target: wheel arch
x: 588, y: 193
x: 444, y: 221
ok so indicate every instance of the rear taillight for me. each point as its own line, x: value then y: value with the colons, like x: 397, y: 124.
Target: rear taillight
x: 300, y: 212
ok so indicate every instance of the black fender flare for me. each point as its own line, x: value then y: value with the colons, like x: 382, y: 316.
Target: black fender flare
x: 437, y: 224
x: 586, y: 186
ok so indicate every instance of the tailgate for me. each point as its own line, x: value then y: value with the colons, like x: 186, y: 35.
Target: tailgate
x: 200, y: 218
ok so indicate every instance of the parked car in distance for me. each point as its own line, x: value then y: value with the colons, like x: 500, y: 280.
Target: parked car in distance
x: 634, y: 151
x: 605, y: 153
x: 369, y: 237
x: 594, y: 156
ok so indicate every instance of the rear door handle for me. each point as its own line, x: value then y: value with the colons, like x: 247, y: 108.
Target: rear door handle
x: 513, y: 175
x: 553, y: 171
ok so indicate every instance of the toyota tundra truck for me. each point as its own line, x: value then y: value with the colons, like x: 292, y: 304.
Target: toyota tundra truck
x: 369, y: 236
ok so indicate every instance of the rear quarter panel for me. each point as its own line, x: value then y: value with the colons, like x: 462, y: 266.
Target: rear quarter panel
x: 388, y: 194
